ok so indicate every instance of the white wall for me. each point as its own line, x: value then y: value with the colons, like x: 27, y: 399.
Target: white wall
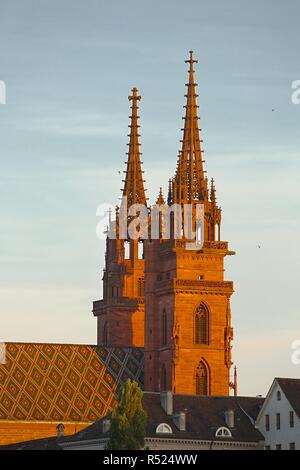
x: 285, y: 434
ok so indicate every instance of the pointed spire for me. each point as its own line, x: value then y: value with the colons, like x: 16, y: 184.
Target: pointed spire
x: 160, y: 200
x: 134, y: 183
x: 190, y: 172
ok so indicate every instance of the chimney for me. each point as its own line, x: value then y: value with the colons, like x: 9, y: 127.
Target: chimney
x: 166, y: 401
x: 229, y: 418
x: 106, y: 425
x: 60, y: 430
x: 180, y: 421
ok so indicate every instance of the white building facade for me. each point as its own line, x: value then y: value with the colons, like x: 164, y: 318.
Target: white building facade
x: 278, y: 419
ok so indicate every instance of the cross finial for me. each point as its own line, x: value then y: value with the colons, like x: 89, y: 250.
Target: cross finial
x: 134, y: 95
x: 191, y: 60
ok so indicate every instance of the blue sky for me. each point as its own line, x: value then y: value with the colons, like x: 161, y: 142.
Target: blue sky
x: 68, y: 68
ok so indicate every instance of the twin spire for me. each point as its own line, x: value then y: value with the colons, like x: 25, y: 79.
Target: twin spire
x: 189, y: 183
x: 134, y: 182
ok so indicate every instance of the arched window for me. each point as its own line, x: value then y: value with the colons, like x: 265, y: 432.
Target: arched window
x: 105, y: 335
x: 164, y: 328
x: 201, y: 324
x: 199, y: 227
x: 278, y: 395
x: 201, y: 379
x: 140, y: 250
x: 163, y: 379
x: 163, y: 428
x: 223, y: 432
x: 126, y: 250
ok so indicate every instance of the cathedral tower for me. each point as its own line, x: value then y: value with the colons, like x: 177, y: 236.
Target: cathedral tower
x: 120, y: 314
x: 187, y: 301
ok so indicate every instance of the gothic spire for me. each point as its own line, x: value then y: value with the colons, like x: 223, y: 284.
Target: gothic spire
x: 133, y: 182
x: 160, y: 199
x: 190, y: 178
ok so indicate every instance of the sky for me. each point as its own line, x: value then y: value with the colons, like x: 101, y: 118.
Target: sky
x: 68, y: 67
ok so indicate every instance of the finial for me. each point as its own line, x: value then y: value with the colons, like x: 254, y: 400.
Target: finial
x: 191, y: 60
x: 160, y: 200
x: 212, y: 191
x: 134, y: 95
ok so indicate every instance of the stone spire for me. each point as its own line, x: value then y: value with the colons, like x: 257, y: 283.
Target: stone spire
x: 133, y: 182
x: 190, y: 182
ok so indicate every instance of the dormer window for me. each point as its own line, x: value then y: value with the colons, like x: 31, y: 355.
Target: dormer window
x: 223, y: 432
x: 163, y: 428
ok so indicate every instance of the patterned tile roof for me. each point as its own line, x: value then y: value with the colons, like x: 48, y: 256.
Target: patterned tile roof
x: 64, y: 382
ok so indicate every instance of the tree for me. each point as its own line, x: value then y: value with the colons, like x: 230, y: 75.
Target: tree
x: 129, y: 419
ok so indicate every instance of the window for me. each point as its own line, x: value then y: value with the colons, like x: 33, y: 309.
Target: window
x: 291, y: 419
x: 292, y: 446
x: 199, y: 232
x: 267, y: 447
x: 267, y: 422
x: 164, y: 328
x: 223, y: 432
x: 163, y: 428
x: 126, y: 250
x: 277, y: 420
x: 140, y: 250
x: 201, y: 379
x: 278, y: 395
x: 201, y: 324
x: 163, y: 380
x: 278, y: 446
